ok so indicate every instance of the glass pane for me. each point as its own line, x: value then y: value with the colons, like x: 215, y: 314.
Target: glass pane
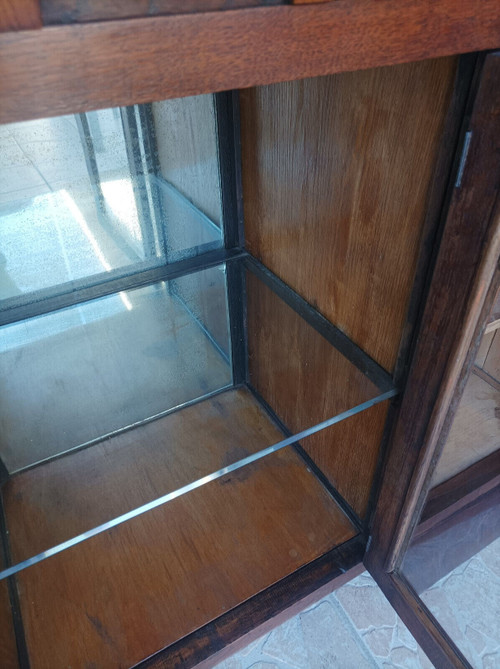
x: 110, y: 191
x: 453, y: 561
x: 79, y: 374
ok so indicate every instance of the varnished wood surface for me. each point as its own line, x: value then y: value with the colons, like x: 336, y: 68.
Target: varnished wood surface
x: 336, y: 177
x: 53, y: 502
x: 68, y: 69
x: 462, y: 276
x: 305, y: 380
x: 265, y: 611
x: 20, y: 15
x: 348, y: 454
x: 81, y: 11
x: 125, y: 594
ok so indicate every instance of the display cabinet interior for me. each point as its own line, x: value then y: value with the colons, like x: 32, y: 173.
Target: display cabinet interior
x: 208, y: 308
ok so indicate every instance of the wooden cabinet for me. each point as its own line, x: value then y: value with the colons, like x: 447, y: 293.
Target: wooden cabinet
x: 308, y: 353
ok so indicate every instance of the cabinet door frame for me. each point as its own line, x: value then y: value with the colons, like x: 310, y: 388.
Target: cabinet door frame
x: 460, y: 294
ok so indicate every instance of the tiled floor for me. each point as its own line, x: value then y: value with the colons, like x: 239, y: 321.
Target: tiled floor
x: 353, y: 628
x: 467, y: 604
x: 356, y: 628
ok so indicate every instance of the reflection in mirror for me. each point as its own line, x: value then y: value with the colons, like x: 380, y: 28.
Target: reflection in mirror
x: 78, y: 374
x: 453, y: 561
x: 109, y: 191
x: 125, y: 403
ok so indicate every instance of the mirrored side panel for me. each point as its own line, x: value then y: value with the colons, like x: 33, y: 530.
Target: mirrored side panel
x: 78, y: 374
x: 107, y: 192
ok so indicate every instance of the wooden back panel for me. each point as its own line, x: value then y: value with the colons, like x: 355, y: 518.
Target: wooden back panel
x: 336, y: 176
x: 305, y: 380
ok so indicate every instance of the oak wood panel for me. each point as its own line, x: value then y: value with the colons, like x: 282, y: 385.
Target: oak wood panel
x: 305, y: 380
x: 125, y: 594
x: 265, y: 611
x: 53, y: 502
x: 348, y: 454
x: 69, y: 69
x: 80, y: 11
x: 336, y: 176
x: 20, y: 15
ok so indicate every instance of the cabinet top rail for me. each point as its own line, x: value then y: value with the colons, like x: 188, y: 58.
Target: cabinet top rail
x: 74, y: 68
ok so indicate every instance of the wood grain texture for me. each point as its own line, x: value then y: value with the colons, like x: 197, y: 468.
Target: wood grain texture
x: 333, y: 204
x: 80, y: 11
x: 462, y: 276
x: 19, y: 15
x: 103, y: 481
x: 305, y: 380
x: 69, y: 69
x: 264, y: 612
x: 125, y: 594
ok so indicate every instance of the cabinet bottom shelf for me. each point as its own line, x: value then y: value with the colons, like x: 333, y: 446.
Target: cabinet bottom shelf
x: 130, y: 591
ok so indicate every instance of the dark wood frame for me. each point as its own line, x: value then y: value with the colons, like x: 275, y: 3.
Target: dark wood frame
x: 79, y: 68
x: 460, y: 296
x: 73, y: 68
x: 302, y: 587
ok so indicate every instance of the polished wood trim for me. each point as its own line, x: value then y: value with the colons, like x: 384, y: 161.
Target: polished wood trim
x: 460, y: 282
x: 294, y: 609
x: 459, y: 299
x: 20, y: 15
x: 69, y: 69
x: 434, y: 207
x: 327, y: 571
